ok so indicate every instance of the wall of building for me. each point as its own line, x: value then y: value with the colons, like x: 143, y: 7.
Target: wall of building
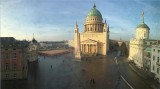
x: 155, y: 61
x: 99, y: 37
x: 136, y: 51
x: 14, y: 63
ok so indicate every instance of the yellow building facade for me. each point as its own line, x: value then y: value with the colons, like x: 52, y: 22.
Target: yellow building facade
x: 94, y: 40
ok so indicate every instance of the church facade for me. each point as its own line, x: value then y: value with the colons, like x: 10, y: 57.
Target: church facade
x: 140, y: 43
x: 137, y: 44
x: 33, y: 50
x: 94, y: 40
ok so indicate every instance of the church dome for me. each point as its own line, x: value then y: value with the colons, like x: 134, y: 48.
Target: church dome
x: 34, y: 40
x: 142, y: 25
x: 94, y: 12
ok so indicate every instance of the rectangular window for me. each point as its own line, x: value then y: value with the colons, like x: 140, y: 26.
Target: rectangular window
x: 157, y: 59
x: 2, y: 56
x: 14, y: 55
x: 157, y: 70
x: 7, y: 56
x: 158, y: 51
x: 153, y: 67
x: 14, y: 75
x: 153, y: 57
x: 6, y: 76
x: 14, y: 66
x: 6, y: 67
x: 153, y: 50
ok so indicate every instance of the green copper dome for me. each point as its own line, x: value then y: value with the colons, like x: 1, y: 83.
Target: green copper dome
x: 94, y: 12
x: 142, y: 25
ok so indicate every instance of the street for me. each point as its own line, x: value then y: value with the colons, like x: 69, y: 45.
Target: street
x: 64, y: 72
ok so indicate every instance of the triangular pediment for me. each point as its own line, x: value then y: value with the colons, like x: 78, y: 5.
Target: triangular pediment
x: 89, y: 41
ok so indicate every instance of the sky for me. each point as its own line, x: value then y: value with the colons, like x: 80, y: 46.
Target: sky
x: 54, y: 20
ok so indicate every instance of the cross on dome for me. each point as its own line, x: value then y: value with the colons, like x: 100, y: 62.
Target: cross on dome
x: 142, y: 14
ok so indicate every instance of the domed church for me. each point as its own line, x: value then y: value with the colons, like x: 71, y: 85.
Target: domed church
x: 94, y: 40
x: 139, y: 44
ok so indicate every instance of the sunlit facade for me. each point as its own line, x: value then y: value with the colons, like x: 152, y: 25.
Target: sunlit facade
x: 137, y: 44
x: 94, y: 40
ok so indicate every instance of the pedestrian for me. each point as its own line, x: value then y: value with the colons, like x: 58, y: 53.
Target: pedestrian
x: 63, y: 61
x: 51, y: 66
x: 93, y: 81
x: 115, y: 58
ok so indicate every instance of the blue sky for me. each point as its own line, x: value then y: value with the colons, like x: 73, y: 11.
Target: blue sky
x: 54, y: 20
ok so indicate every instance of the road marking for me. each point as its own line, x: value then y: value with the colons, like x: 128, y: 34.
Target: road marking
x: 126, y: 82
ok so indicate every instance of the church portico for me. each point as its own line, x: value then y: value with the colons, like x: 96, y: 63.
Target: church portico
x: 89, y: 47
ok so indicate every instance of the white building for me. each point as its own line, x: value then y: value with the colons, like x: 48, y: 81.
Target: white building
x: 137, y: 44
x: 155, y: 61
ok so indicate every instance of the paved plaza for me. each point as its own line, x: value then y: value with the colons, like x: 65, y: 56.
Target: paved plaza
x: 64, y: 72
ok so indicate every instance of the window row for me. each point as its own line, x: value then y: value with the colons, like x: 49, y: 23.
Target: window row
x: 14, y: 75
x: 154, y: 58
x: 154, y: 69
x: 155, y: 50
x: 96, y: 19
x: 7, y: 67
x: 7, y: 55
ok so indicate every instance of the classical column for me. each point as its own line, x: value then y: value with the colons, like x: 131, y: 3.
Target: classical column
x: 88, y: 48
x: 94, y: 27
x: 97, y: 27
x: 81, y: 48
x: 84, y: 48
x: 96, y: 48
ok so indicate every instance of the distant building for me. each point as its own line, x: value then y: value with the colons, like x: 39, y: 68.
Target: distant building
x: 155, y: 61
x: 51, y: 45
x: 33, y: 50
x: 95, y: 38
x: 45, y: 45
x: 138, y: 44
x: 113, y: 45
x: 122, y: 49
x: 70, y: 43
x: 14, y: 55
